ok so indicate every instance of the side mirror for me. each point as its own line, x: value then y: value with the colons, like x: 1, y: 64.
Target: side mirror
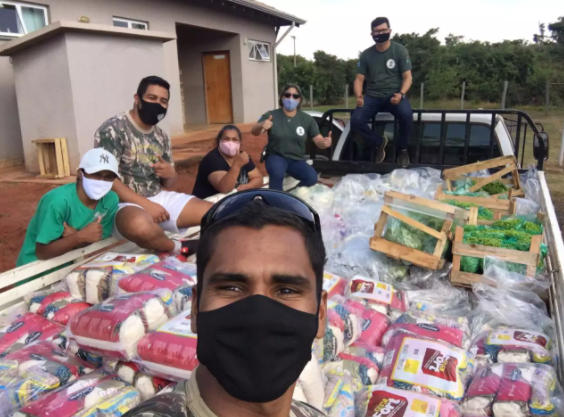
x: 541, y: 146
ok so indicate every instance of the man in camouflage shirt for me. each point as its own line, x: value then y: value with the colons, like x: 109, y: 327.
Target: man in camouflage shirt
x: 256, y: 314
x: 146, y: 169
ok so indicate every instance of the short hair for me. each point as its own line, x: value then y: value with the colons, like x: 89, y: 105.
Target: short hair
x: 380, y: 21
x: 227, y: 128
x: 151, y: 80
x: 257, y: 215
x: 286, y: 88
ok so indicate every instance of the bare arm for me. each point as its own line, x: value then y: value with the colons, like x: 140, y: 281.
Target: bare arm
x: 407, y: 82
x: 224, y: 181
x: 90, y: 234
x: 127, y: 195
x: 170, y: 182
x: 255, y: 181
x: 358, y: 84
x: 262, y: 127
x: 321, y: 142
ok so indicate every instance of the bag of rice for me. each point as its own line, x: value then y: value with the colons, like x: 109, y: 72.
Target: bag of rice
x: 58, y: 306
x: 148, y: 386
x: 28, y: 329
x: 379, y: 296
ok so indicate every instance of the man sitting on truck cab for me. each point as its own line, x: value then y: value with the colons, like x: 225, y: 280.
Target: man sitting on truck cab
x: 387, y: 69
x: 146, y: 170
x: 74, y: 215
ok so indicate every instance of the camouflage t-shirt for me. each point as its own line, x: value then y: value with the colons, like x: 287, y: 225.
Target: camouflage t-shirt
x: 136, y: 150
x: 185, y: 401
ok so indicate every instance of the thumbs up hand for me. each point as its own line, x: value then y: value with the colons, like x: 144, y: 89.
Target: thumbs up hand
x: 328, y: 141
x: 163, y: 169
x: 91, y: 233
x: 267, y: 124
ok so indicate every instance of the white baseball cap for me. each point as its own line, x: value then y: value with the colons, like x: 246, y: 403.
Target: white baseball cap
x: 97, y: 160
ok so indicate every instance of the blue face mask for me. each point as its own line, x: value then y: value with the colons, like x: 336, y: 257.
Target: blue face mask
x: 290, y: 104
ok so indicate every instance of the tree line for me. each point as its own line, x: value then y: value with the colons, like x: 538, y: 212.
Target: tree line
x: 443, y: 67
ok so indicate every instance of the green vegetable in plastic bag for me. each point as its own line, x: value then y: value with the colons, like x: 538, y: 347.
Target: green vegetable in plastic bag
x: 483, y: 213
x: 406, y: 235
x: 496, y: 187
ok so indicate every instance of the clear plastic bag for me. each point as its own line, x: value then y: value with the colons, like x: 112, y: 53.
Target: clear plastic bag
x: 334, y: 285
x: 148, y: 386
x: 422, y: 182
x: 113, y: 328
x: 27, y: 329
x: 514, y: 389
x: 526, y: 208
x: 373, y: 324
x: 379, y: 296
x: 355, y: 188
x: 360, y: 217
x: 320, y: 197
x: 427, y: 278
x: 502, y: 273
x: 441, y: 298
x: 58, y: 306
x: 339, y: 393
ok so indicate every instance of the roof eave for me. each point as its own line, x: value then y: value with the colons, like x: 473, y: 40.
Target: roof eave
x: 273, y: 12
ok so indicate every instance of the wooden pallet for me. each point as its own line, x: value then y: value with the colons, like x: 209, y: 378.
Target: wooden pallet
x: 466, y: 279
x: 506, y: 164
x: 53, y: 158
x: 417, y: 257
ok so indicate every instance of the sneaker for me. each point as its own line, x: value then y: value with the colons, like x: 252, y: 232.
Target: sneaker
x: 381, y: 151
x: 403, y: 159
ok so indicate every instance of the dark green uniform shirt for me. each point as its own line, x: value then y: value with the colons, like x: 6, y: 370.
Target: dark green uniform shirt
x: 288, y: 135
x: 383, y: 70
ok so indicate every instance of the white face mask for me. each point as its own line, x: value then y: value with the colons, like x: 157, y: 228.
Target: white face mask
x: 96, y: 189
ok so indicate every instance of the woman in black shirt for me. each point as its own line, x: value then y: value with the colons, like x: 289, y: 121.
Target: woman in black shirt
x: 226, y: 167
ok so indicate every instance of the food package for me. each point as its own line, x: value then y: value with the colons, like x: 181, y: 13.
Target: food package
x: 34, y: 370
x: 339, y: 393
x: 93, y: 281
x: 384, y: 401
x: 452, y: 330
x: 380, y: 296
x: 343, y: 329
x: 334, y: 285
x: 506, y: 345
x: 170, y: 402
x: 374, y: 354
x: 148, y: 386
x: 373, y: 323
x: 113, y: 328
x: 362, y: 369
x: 170, y: 274
x: 311, y: 384
x: 98, y: 394
x: 514, y: 390
x: 183, y: 298
x: 27, y: 329
x: 427, y: 366
x: 58, y: 306
x: 170, y: 351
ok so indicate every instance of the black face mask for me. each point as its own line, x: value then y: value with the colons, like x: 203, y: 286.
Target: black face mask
x: 151, y: 113
x: 381, y: 38
x: 256, y: 348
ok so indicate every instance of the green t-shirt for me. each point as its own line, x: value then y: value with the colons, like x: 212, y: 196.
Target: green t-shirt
x: 288, y: 135
x: 383, y: 70
x: 60, y: 206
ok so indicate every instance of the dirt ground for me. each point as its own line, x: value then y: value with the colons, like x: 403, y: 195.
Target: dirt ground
x: 18, y: 201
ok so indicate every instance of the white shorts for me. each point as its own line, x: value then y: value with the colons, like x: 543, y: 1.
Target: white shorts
x: 173, y: 202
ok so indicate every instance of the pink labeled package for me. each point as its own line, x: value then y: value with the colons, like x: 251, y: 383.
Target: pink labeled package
x: 343, y: 329
x: 373, y: 324
x: 99, y: 394
x: 512, y: 345
x: 148, y: 386
x: 33, y: 371
x: 515, y: 390
x: 379, y: 296
x: 334, y: 285
x: 170, y: 351
x: 452, y: 330
x: 28, y: 329
x: 113, y: 328
x: 59, y: 306
x: 427, y: 366
x: 376, y: 401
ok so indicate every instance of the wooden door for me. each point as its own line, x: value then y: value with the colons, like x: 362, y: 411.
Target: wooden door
x: 217, y: 84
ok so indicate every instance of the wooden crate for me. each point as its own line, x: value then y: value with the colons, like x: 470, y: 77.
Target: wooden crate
x: 506, y: 165
x: 466, y: 279
x: 417, y: 257
x: 53, y: 158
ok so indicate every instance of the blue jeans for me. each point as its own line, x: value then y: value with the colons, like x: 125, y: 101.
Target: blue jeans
x: 278, y: 166
x: 372, y: 106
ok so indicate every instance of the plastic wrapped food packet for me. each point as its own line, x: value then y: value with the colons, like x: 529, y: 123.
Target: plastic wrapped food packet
x: 384, y: 401
x: 27, y: 329
x: 183, y: 298
x: 311, y: 384
x: 170, y: 351
x: 427, y: 366
x: 170, y: 402
x: 334, y: 285
x: 360, y: 368
x: 441, y: 298
x: 373, y: 323
x: 339, y: 394
x: 148, y: 386
x: 320, y: 197
x: 343, y: 329
x: 99, y: 394
x: 512, y: 389
x: 379, y: 296
x: 374, y: 354
x: 93, y: 281
x: 58, y: 306
x: 113, y: 328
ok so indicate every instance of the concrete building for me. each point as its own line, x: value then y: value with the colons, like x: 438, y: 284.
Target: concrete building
x: 218, y: 55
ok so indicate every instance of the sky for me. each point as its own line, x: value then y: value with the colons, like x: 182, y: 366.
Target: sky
x: 342, y: 27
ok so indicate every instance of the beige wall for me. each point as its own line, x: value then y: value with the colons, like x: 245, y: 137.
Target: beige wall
x: 11, y: 149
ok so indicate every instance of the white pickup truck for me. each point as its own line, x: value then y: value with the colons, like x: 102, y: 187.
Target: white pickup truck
x: 442, y: 147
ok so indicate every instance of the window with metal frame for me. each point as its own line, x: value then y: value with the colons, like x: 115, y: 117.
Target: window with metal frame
x: 259, y: 51
x: 18, y: 19
x: 130, y: 24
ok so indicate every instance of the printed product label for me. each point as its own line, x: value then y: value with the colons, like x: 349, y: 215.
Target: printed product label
x: 330, y: 281
x: 390, y: 402
x: 179, y: 326
x: 430, y: 364
x: 516, y: 337
x: 372, y: 290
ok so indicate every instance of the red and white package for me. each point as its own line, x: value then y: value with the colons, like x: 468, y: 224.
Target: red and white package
x: 373, y: 323
x: 59, y: 306
x: 380, y: 296
x: 148, y: 386
x: 361, y: 368
x: 99, y: 393
x: 169, y: 352
x: 377, y: 401
x: 28, y: 329
x: 334, y: 285
x: 427, y: 366
x: 113, y: 328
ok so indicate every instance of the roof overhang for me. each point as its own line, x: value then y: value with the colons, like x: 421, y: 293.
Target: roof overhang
x: 286, y: 18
